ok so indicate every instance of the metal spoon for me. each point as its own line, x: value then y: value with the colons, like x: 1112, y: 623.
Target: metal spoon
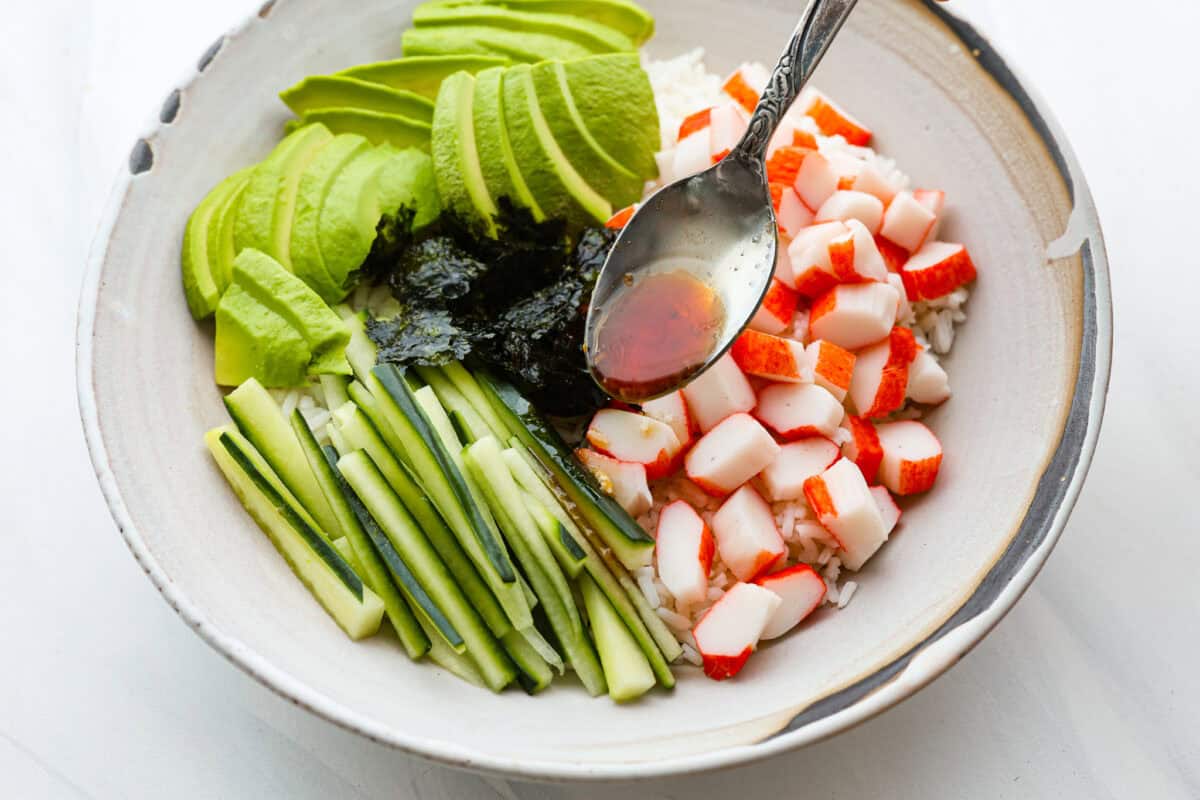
x: 719, y: 225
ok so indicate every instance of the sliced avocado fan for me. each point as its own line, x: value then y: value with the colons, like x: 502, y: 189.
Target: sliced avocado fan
x: 594, y: 36
x: 377, y: 127
x: 265, y: 215
x: 407, y: 180
x: 613, y: 96
x: 334, y: 91
x: 619, y: 185
x: 422, y: 75
x: 558, y: 187
x: 483, y: 40
x: 204, y: 276
x: 455, y: 158
x: 621, y: 15
x: 496, y: 161
x: 350, y: 216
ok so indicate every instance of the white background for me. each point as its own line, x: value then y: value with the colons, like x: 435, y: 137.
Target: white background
x: 1089, y: 689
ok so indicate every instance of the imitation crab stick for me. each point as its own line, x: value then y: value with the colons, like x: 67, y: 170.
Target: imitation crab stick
x: 907, y: 222
x: 747, y: 538
x: 816, y: 180
x: 692, y: 155
x: 791, y: 214
x: 784, y: 163
x: 855, y: 315
x: 730, y: 454
x: 833, y: 120
x: 773, y: 357
x: 843, y: 503
x: 636, y: 439
x: 620, y: 219
x: 880, y: 381
x: 927, y: 381
x: 887, y: 507
x: 808, y: 253
x: 694, y: 122
x: 729, y: 631
x: 799, y: 410
x: 935, y: 201
x: 800, y: 590
x: 936, y: 270
x: 625, y: 481
x: 854, y: 257
x: 745, y: 85
x: 683, y: 551
x: 863, y: 448
x: 718, y: 392
x: 832, y: 367
x: 874, y: 180
x: 728, y: 124
x: 672, y: 410
x: 912, y: 456
x: 777, y: 309
x: 850, y: 204
x: 894, y: 256
x: 797, y: 461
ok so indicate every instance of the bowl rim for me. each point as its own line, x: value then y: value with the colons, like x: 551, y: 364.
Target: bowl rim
x: 1004, y: 583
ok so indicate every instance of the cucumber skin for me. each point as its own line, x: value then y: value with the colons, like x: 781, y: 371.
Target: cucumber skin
x: 626, y: 669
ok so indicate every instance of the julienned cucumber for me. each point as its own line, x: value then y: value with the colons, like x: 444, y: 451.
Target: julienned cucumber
x: 542, y: 505
x: 354, y: 429
x: 632, y: 545
x: 383, y: 504
x: 372, y: 570
x: 353, y: 606
x: 466, y: 384
x: 651, y: 633
x: 260, y: 420
x: 625, y: 667
x: 470, y: 422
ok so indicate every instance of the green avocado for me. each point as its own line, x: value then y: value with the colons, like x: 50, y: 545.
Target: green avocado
x: 377, y: 127
x: 560, y: 190
x: 283, y: 294
x: 203, y: 278
x: 407, y: 180
x: 460, y: 179
x: 618, y: 185
x: 264, y: 219
x: 350, y: 214
x: 315, y: 184
x: 621, y: 15
x: 220, y: 234
x: 333, y: 91
x: 483, y: 40
x: 496, y: 160
x: 422, y: 75
x: 613, y: 96
x: 595, y: 37
x: 254, y: 342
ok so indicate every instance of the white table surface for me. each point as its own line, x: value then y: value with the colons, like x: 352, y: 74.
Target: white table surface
x: 1089, y: 689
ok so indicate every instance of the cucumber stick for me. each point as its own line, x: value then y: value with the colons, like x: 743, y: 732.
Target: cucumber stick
x: 334, y: 389
x: 261, y: 421
x: 625, y: 666
x: 366, y: 561
x: 556, y: 525
x: 351, y: 604
x: 632, y: 545
x: 401, y: 529
x: 471, y: 424
x: 370, y: 406
x: 344, y: 550
x: 356, y: 432
x: 469, y: 388
x: 536, y: 674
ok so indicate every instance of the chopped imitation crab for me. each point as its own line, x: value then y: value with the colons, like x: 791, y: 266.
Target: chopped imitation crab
x: 855, y: 315
x: 746, y: 84
x: 854, y: 257
x: 773, y: 357
x: 833, y: 120
x: 797, y: 461
x: 878, y: 386
x: 927, y: 381
x: 816, y: 180
x: 906, y: 222
x: 846, y: 205
x: 684, y: 549
x: 798, y: 410
x: 692, y: 155
x: 800, y: 590
x: 777, y: 309
x: 833, y: 367
x: 625, y: 481
x: 875, y: 181
x: 694, y: 122
x: 636, y: 439
x: 791, y: 214
x: 729, y: 631
x: 672, y: 410
x: 936, y: 270
x: 887, y: 507
x: 620, y: 219
x: 784, y: 163
x: 718, y: 392
x: 912, y: 456
x: 808, y: 253
x: 844, y: 505
x: 863, y: 447
x: 730, y: 454
x: 746, y: 535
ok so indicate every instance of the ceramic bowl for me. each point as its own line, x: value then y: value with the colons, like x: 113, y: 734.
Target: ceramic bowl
x: 1029, y: 372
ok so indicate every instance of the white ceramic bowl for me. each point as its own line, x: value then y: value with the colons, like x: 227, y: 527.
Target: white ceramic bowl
x: 1029, y: 372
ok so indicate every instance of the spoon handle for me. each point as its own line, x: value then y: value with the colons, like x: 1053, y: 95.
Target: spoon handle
x: 819, y: 23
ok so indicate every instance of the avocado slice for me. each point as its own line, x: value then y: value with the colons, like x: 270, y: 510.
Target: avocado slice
x: 203, y: 279
x: 333, y: 91
x: 622, y: 15
x: 619, y: 186
x: 407, y: 180
x: 560, y: 190
x: 264, y: 220
x: 422, y: 75
x: 500, y: 172
x: 594, y: 36
x: 350, y: 214
x: 253, y: 341
x: 377, y: 127
x: 482, y: 40
x: 613, y: 96
x: 460, y: 179
x: 281, y: 292
x: 315, y: 184
x: 220, y: 232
